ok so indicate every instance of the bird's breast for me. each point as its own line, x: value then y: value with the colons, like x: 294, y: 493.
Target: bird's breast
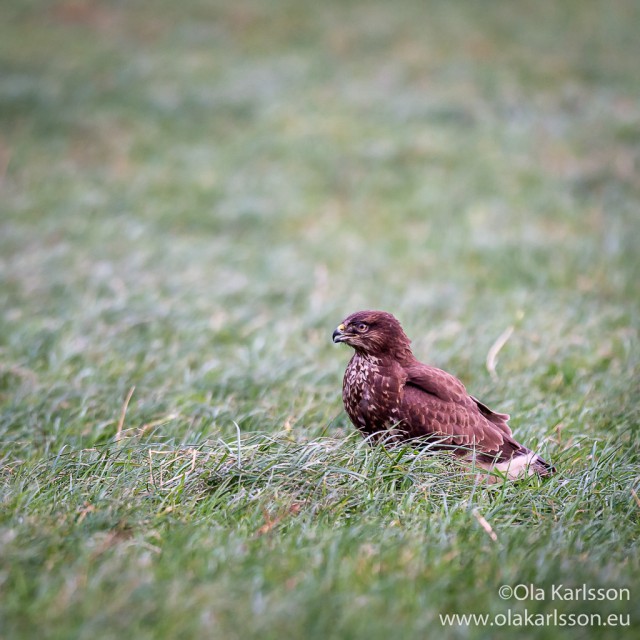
x: 371, y: 394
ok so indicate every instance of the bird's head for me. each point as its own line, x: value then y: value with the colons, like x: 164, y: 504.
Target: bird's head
x: 375, y: 333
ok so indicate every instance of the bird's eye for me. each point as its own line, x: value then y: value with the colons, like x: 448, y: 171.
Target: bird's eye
x: 361, y: 326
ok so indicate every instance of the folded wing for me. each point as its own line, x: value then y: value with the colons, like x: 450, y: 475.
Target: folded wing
x: 436, y: 404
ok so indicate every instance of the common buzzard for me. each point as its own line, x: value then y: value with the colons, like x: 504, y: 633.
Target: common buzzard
x: 391, y: 396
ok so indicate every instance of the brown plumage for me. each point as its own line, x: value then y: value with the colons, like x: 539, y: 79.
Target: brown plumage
x: 390, y: 395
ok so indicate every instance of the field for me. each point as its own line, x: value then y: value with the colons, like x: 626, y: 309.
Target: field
x: 193, y: 196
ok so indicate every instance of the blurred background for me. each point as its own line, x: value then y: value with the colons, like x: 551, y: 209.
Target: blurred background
x: 195, y: 194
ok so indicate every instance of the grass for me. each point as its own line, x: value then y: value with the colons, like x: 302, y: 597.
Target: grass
x: 194, y: 195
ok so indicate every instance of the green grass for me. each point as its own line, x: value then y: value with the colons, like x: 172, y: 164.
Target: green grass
x: 194, y: 195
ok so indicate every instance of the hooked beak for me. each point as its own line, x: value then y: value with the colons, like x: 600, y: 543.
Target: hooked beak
x: 338, y: 334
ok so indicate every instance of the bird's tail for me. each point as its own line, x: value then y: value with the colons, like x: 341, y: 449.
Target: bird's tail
x: 525, y: 463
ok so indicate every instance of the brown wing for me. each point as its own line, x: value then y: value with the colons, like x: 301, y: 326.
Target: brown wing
x: 499, y: 419
x: 436, y: 404
x: 437, y: 382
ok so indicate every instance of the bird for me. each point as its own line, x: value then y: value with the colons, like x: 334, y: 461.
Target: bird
x: 391, y: 396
